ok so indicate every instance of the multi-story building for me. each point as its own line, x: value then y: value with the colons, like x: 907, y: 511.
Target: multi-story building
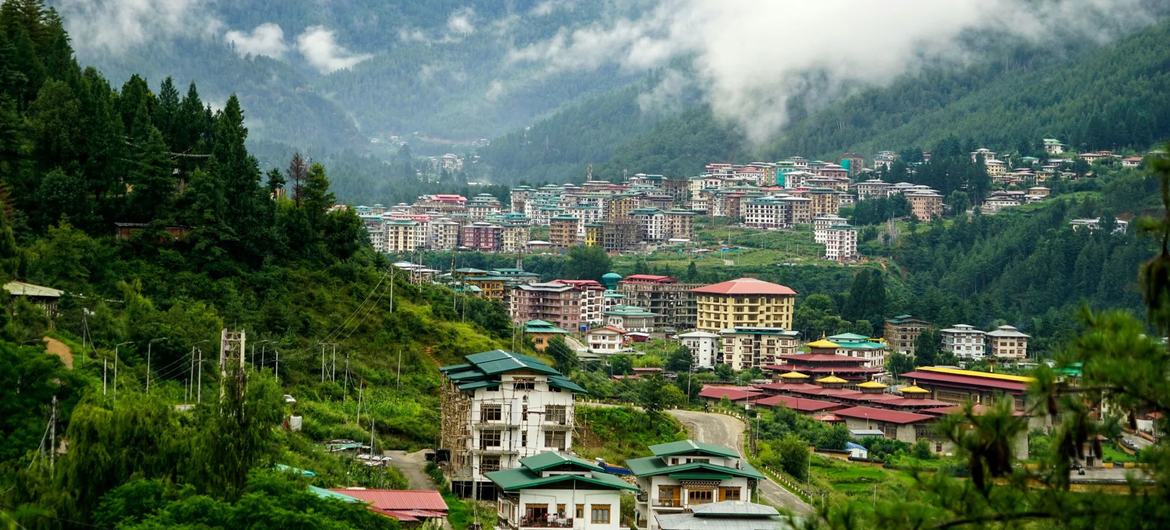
x: 672, y: 303
x: 606, y: 340
x: 841, y: 243
x: 629, y: 318
x: 562, y: 231
x: 618, y: 207
x: 556, y: 490
x: 704, y: 346
x: 376, y: 230
x: 1053, y: 146
x: 482, y: 236
x: 769, y: 213
x: 514, y: 237
x: 482, y: 206
x: 619, y: 235
x: 823, y: 201
x: 685, y: 474
x: 872, y: 189
x: 541, y: 333
x: 860, y: 347
x: 594, y: 234
x: 747, y: 347
x: 901, y: 332
x: 964, y: 341
x: 821, y: 223
x: 744, y: 302
x: 497, y: 408
x: 799, y: 210
x: 681, y: 224
x: 926, y: 205
x: 652, y: 224
x: 1007, y: 343
x: 884, y: 160
x: 442, y: 234
x: 569, y: 304
x: 402, y: 235
x: 519, y: 198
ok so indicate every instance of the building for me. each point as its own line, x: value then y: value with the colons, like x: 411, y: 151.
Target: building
x: 606, y: 340
x: 482, y: 206
x: 1053, y: 146
x: 872, y: 189
x: 402, y: 236
x: 861, y: 347
x: 514, y: 236
x: 569, y: 304
x: 672, y: 303
x: 840, y: 243
x: 747, y: 347
x: 562, y: 230
x: 744, y: 302
x: 894, y: 424
x: 442, y: 234
x: 768, y: 213
x: 964, y: 341
x: 821, y: 223
x: 730, y: 515
x: 594, y: 235
x: 926, y: 205
x: 1007, y: 343
x: 482, y: 236
x: 901, y: 332
x: 557, y: 490
x: 686, y: 474
x: 497, y: 408
x: 705, y: 347
x: 630, y: 318
x: 541, y: 332
x: 961, y: 386
x: 423, y: 508
x: 618, y: 235
x: 652, y: 224
x: 46, y: 297
x: 681, y: 224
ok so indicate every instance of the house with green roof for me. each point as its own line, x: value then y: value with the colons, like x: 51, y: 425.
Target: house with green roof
x: 497, y: 408
x: 630, y: 318
x: 541, y: 332
x: 861, y: 347
x: 558, y: 490
x: 685, y: 474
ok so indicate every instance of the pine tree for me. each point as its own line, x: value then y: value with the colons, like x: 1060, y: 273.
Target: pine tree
x: 298, y: 171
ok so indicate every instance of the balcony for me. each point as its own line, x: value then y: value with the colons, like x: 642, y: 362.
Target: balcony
x: 544, y: 522
x: 668, y: 503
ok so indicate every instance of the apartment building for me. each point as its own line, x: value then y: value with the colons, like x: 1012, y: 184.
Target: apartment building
x: 705, y: 347
x: 1007, y: 343
x: 569, y: 304
x: 841, y: 243
x: 686, y: 474
x: 926, y: 205
x: 652, y: 224
x: 482, y: 236
x: 768, y: 213
x: 497, y: 408
x: 672, y: 303
x: 747, y: 347
x: 442, y: 234
x: 872, y: 189
x: 482, y: 206
x: 964, y: 341
x: 744, y: 302
x: 901, y: 332
x: 562, y: 231
x: 822, y: 223
x: 402, y: 235
x: 514, y: 237
x: 680, y: 224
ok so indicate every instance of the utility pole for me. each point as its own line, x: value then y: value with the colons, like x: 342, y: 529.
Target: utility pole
x: 322, y: 362
x: 333, y: 370
x: 105, y: 368
x: 53, y: 435
x: 277, y: 364
x: 358, y: 418
x: 346, y: 394
x: 199, y: 390
x: 398, y: 384
x: 116, y: 346
x: 149, y: 346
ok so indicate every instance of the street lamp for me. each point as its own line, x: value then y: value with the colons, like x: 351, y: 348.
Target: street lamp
x: 149, y: 345
x: 116, y: 346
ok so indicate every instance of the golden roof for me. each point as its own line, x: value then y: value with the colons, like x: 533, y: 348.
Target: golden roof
x: 831, y: 379
x: 871, y: 384
x: 913, y: 389
x: 823, y: 344
x: 793, y: 375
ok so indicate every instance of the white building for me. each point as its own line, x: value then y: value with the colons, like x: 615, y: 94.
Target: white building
x: 498, y: 408
x: 769, y: 213
x: 1053, y: 146
x: 964, y: 341
x: 606, y: 340
x: 840, y: 243
x: 704, y: 347
x: 556, y: 490
x: 442, y: 234
x: 746, y: 347
x: 1007, y: 342
x: 822, y: 223
x: 402, y: 235
x: 685, y: 474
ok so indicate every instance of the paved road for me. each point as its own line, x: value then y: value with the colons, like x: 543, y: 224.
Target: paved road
x: 413, y: 465
x: 725, y: 430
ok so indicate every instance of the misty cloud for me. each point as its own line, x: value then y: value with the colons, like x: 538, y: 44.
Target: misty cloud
x: 116, y: 26
x: 266, y: 39
x: 461, y: 22
x: 750, y: 58
x: 318, y: 45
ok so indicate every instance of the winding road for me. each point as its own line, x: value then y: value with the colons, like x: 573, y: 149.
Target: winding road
x: 725, y: 430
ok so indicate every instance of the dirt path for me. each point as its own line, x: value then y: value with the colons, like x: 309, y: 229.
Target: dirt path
x: 59, y: 349
x: 413, y: 465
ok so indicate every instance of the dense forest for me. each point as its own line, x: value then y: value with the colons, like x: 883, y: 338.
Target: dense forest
x: 145, y: 207
x: 1107, y: 96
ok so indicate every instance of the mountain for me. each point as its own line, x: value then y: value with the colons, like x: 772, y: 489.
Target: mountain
x: 359, y: 76
x: 1091, y: 96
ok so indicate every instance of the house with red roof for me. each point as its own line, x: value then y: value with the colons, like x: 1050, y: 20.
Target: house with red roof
x: 895, y: 424
x: 740, y: 395
x: 416, y: 508
x: 744, y: 302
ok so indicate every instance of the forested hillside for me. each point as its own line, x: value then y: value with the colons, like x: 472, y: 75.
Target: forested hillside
x: 1109, y: 96
x: 208, y: 246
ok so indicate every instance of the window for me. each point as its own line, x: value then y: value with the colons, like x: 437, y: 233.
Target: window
x: 555, y: 414
x: 524, y: 439
x: 700, y: 461
x: 554, y: 440
x: 491, y: 412
x: 700, y: 496
x: 490, y: 439
x: 729, y: 494
x: 524, y: 384
x: 561, y: 510
x: 580, y: 511
x: 599, y: 514
x: 488, y: 463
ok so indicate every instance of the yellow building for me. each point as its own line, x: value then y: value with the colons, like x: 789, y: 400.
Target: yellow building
x: 746, y: 302
x: 594, y: 234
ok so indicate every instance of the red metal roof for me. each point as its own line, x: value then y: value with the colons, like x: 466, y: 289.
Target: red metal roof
x: 732, y: 393
x: 412, y: 503
x: 843, y: 371
x: 797, y: 403
x: 882, y: 415
x: 966, y: 380
x: 823, y: 358
x: 745, y: 286
x: 647, y: 278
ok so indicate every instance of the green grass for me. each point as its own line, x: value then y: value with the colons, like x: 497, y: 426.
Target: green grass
x: 461, y: 513
x: 620, y: 433
x: 856, y: 480
x: 1112, y: 453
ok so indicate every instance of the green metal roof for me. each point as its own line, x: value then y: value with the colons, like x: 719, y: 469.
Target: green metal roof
x: 521, y: 478
x: 699, y: 475
x: 551, y: 459
x: 691, y: 447
x: 500, y: 361
x: 541, y: 326
x: 326, y: 494
x: 848, y: 337
x: 564, y: 383
x: 479, y: 384
x: 628, y: 311
x: 656, y: 465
